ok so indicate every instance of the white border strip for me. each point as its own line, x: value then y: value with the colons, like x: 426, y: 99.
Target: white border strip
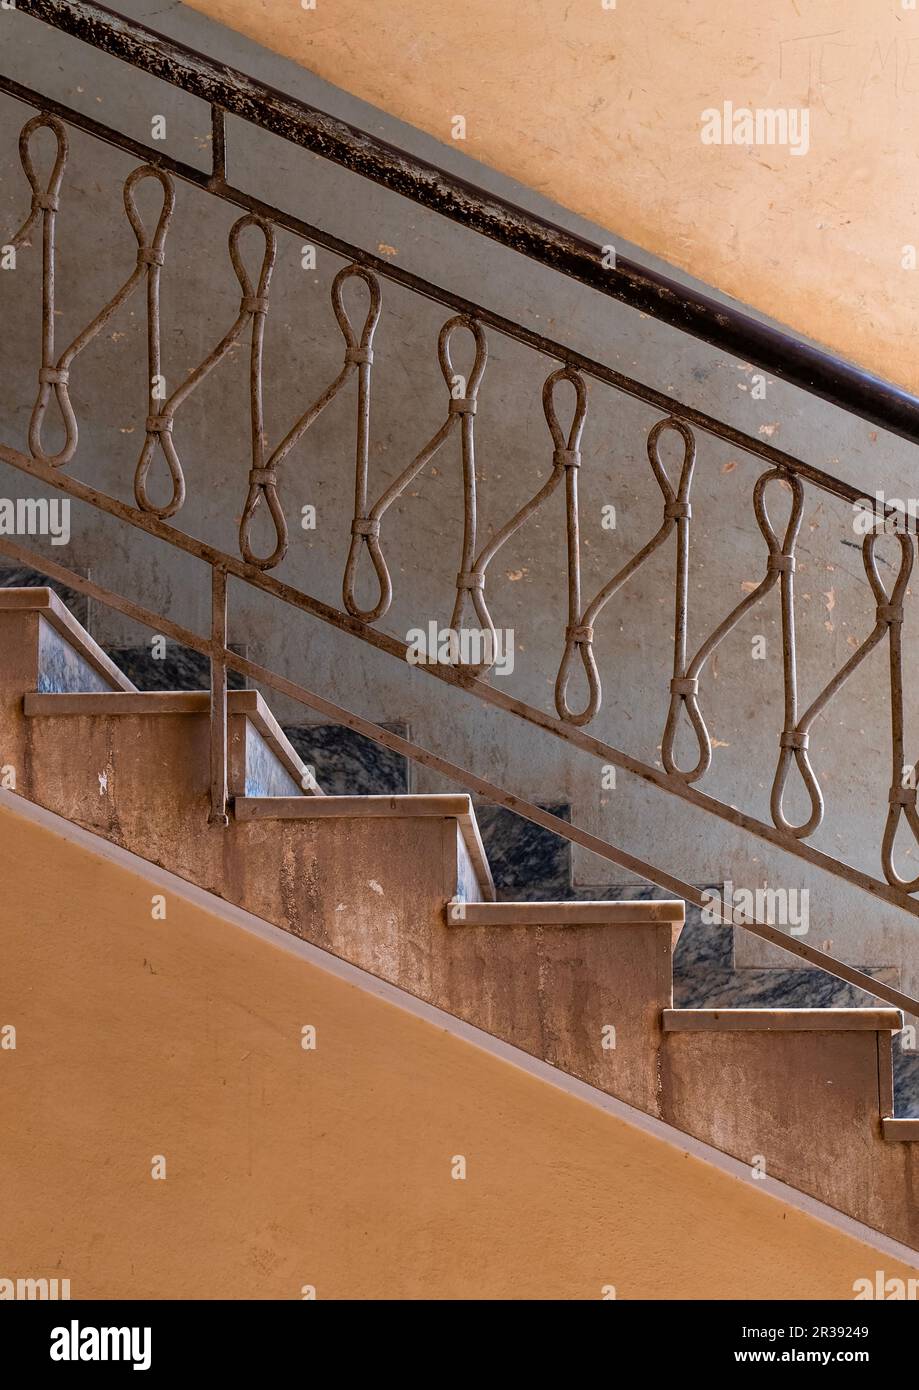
x: 495, y: 1047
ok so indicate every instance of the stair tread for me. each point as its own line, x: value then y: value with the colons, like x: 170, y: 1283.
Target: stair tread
x: 900, y: 1130
x: 58, y: 615
x: 654, y: 911
x: 394, y: 804
x: 781, y: 1020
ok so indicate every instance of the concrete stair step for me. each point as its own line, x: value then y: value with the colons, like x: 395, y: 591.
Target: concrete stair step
x: 54, y: 649
x: 43, y: 648
x: 261, y: 758
x: 799, y: 1094
x: 581, y: 985
x: 781, y: 1020
x: 474, y: 862
x: 900, y: 1131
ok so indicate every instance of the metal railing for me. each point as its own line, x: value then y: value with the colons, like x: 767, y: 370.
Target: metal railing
x: 230, y: 91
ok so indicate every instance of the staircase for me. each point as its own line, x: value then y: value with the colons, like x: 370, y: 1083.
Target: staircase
x: 527, y: 863
x: 400, y: 886
x: 206, y: 784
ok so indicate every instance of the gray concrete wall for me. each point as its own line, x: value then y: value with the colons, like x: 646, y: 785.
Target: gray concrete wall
x: 741, y: 697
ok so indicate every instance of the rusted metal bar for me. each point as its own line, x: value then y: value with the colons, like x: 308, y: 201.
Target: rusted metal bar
x: 218, y: 146
x: 721, y: 324
x: 550, y: 347
x: 218, y: 700
x: 450, y: 675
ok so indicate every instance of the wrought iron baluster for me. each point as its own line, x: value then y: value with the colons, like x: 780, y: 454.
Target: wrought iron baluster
x: 566, y: 459
x: 684, y: 688
x: 362, y: 353
x: 159, y: 425
x: 888, y: 613
x: 563, y: 457
x: 901, y: 799
x: 365, y: 527
x: 579, y: 634
x: 263, y: 478
x: 155, y: 425
x: 793, y: 742
x: 467, y: 580
x: 56, y: 375
x: 218, y: 698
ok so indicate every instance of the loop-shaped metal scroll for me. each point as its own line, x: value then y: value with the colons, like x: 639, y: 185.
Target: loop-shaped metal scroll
x: 684, y: 690
x: 358, y: 350
x: 161, y: 417
x: 365, y: 527
x: 45, y: 201
x: 795, y: 745
x: 902, y: 800
x: 56, y: 375
x: 263, y: 480
x: 579, y: 635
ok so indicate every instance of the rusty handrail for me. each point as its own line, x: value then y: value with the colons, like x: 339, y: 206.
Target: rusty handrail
x: 721, y: 323
x: 215, y: 183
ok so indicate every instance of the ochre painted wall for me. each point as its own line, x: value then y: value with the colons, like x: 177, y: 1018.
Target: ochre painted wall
x: 599, y: 109
x: 181, y: 1038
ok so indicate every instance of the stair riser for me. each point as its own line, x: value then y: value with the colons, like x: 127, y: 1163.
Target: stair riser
x: 44, y: 649
x: 809, y: 1103
x: 586, y: 998
x: 368, y: 890
x: 35, y: 657
x: 144, y: 764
